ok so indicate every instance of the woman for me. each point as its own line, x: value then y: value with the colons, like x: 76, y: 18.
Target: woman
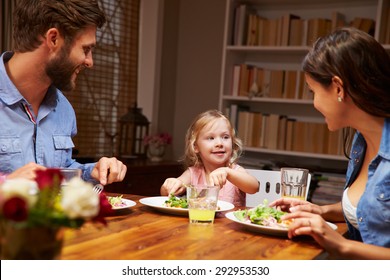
x: 349, y: 74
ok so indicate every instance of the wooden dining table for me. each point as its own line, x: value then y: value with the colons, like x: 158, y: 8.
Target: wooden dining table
x: 142, y: 232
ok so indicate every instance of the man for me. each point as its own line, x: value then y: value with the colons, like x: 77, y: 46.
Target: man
x: 53, y: 42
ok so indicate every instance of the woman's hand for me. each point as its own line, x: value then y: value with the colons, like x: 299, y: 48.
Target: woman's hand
x: 305, y: 223
x: 295, y: 205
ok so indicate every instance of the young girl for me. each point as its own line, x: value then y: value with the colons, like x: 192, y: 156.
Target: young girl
x: 211, y: 152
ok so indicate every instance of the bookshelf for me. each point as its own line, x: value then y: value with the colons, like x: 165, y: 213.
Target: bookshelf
x: 262, y: 89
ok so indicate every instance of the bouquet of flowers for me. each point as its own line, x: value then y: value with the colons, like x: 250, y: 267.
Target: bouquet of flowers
x: 158, y: 140
x: 44, y: 203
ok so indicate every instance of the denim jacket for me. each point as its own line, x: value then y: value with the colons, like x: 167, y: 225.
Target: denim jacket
x: 373, y: 209
x: 45, y: 139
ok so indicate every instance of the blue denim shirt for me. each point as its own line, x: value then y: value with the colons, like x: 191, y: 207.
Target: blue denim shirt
x: 373, y: 209
x: 45, y: 139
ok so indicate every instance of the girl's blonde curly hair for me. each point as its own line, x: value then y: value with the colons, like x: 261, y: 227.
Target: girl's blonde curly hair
x: 191, y: 158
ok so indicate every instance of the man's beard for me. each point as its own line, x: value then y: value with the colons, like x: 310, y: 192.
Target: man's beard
x: 60, y: 71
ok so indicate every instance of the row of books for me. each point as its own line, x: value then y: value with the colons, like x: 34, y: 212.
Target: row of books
x: 387, y: 28
x: 252, y: 81
x: 252, y: 29
x: 329, y: 190
x: 279, y: 132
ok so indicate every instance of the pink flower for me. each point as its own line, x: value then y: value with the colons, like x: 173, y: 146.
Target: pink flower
x: 160, y: 139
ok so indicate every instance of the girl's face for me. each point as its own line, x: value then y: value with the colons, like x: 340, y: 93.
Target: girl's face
x: 326, y: 102
x: 214, y: 144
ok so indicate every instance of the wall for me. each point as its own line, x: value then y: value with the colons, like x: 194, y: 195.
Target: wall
x: 190, y: 62
x: 151, y: 22
x: 168, y: 70
x: 180, y: 61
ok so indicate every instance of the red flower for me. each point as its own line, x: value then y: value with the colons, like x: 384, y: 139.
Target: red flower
x: 105, y: 209
x: 48, y: 178
x: 15, y: 209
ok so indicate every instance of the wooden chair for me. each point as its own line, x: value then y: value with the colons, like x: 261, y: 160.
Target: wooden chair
x: 269, y: 188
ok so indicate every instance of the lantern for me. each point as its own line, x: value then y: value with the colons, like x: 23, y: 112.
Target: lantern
x: 133, y: 127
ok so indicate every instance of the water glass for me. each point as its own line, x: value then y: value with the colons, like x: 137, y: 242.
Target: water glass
x: 68, y: 174
x: 294, y: 182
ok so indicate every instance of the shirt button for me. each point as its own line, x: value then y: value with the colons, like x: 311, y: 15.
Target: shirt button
x: 382, y: 195
x: 360, y: 219
x: 3, y: 148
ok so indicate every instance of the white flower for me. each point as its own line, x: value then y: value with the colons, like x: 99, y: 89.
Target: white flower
x: 23, y: 188
x: 79, y: 200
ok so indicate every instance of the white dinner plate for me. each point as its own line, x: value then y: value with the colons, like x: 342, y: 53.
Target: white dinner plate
x: 128, y: 203
x: 264, y: 229
x: 157, y: 202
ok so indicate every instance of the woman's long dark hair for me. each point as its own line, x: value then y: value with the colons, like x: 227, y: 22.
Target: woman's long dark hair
x: 361, y: 63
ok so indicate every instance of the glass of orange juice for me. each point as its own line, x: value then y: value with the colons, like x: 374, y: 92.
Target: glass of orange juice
x: 294, y: 182
x: 202, y: 203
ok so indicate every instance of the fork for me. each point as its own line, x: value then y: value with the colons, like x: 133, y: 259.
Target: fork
x: 98, y: 188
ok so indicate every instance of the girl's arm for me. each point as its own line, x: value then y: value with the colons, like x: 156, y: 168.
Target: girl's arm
x: 238, y: 177
x: 243, y: 180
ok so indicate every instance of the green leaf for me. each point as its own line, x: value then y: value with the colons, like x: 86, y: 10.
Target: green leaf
x: 241, y: 215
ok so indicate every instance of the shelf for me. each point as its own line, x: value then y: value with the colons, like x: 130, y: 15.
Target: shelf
x: 297, y: 50
x: 261, y: 59
x: 271, y: 159
x: 268, y: 100
x: 296, y: 154
x: 295, y: 108
x: 312, y: 3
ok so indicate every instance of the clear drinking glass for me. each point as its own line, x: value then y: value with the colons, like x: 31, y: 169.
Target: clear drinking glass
x: 202, y: 203
x: 294, y: 182
x: 69, y: 173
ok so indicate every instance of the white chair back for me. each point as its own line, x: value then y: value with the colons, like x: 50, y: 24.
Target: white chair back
x: 269, y: 188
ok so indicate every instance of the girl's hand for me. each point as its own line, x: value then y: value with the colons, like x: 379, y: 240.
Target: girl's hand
x: 172, y: 186
x: 219, y: 176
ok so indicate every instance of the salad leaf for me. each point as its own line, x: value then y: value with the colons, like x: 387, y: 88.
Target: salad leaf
x: 115, y: 201
x: 241, y: 215
x: 176, y: 202
x: 261, y: 214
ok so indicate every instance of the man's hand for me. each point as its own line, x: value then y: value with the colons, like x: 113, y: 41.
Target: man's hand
x: 109, y: 170
x: 27, y: 171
